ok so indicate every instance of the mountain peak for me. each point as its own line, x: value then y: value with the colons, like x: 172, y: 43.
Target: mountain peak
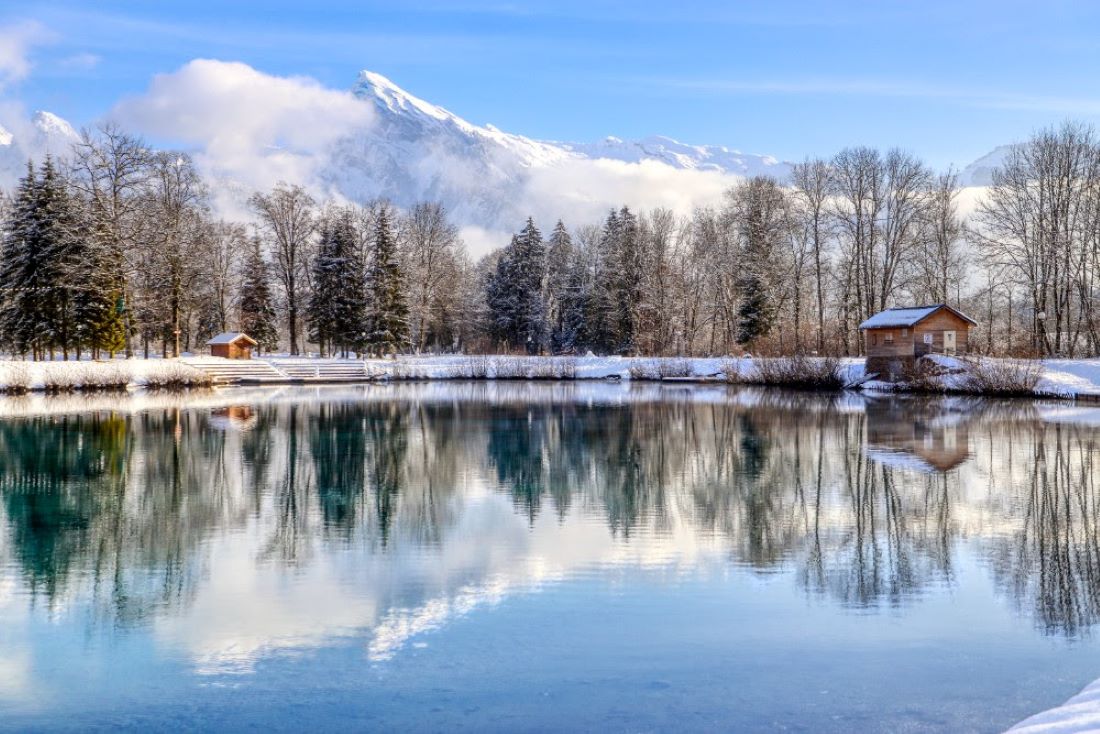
x: 51, y: 125
x: 372, y: 85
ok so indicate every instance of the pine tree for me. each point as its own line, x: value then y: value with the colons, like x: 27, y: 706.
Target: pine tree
x: 257, y: 312
x: 67, y: 267
x: 98, y: 300
x: 337, y: 310
x: 601, y: 312
x: 388, y: 329
x: 322, y: 306
x: 629, y: 278
x: 46, y: 261
x: 559, y: 270
x: 754, y: 314
x: 18, y: 317
x: 517, y: 292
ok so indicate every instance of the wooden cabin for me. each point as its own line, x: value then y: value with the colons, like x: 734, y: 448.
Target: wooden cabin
x: 897, y: 337
x: 232, y: 345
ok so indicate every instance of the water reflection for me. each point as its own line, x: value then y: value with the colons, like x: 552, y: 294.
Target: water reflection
x: 399, y: 507
x: 926, y: 435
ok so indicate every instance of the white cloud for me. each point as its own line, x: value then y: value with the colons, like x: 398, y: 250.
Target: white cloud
x: 81, y: 62
x: 580, y: 191
x: 16, y: 42
x: 250, y: 127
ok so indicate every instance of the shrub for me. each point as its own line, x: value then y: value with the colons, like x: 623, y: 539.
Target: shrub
x: 799, y: 372
x: 14, y: 377
x: 1002, y: 377
x: 660, y: 368
x: 171, y: 374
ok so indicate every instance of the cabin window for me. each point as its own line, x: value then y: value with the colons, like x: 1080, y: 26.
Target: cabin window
x: 904, y: 333
x: 888, y: 337
x: 927, y: 338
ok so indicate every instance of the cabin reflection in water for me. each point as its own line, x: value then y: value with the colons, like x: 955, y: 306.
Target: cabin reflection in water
x: 233, y: 417
x: 916, y: 435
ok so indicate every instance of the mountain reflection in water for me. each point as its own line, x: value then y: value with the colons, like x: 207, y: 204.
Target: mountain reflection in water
x: 396, y: 508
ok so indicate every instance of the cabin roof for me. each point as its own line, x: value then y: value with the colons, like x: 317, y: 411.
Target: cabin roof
x: 909, y: 316
x: 231, y: 337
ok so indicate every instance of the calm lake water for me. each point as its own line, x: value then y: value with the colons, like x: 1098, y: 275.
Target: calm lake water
x: 544, y: 557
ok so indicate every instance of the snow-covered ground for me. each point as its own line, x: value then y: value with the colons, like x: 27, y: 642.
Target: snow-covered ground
x: 89, y: 374
x: 1064, y: 378
x: 1077, y: 715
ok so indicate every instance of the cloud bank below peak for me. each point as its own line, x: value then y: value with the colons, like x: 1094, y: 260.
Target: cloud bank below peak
x: 242, y: 124
x: 248, y: 129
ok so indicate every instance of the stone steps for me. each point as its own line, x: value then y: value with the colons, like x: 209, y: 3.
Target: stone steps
x: 231, y: 371
x: 280, y: 371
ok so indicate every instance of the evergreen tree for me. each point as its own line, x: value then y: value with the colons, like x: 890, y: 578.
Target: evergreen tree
x: 761, y: 224
x: 754, y: 314
x: 337, y: 310
x: 321, y: 310
x: 559, y: 273
x: 601, y: 313
x: 256, y: 306
x: 517, y: 292
x: 99, y: 302
x: 628, y: 282
x: 47, y: 264
x: 19, y: 317
x: 389, y: 313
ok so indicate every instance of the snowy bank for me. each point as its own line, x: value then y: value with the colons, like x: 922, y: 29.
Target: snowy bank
x: 64, y: 376
x: 743, y: 370
x: 1079, y: 714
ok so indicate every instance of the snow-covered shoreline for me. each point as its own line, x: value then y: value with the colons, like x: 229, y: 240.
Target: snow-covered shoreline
x: 94, y: 375
x: 1058, y: 378
x: 1077, y: 715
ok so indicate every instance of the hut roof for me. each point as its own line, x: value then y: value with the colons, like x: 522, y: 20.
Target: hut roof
x: 909, y: 316
x: 231, y: 337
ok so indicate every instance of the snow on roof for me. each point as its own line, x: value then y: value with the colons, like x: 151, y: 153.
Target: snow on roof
x: 228, y: 337
x: 907, y: 316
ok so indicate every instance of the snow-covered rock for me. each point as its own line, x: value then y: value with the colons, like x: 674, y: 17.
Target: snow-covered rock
x: 44, y: 133
x: 980, y: 172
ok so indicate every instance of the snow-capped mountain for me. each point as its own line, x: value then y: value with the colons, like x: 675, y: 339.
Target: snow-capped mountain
x: 45, y: 133
x: 490, y: 180
x: 681, y: 155
x: 980, y: 172
x: 493, y: 179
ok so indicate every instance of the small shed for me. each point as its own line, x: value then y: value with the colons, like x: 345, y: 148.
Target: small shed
x: 897, y: 337
x: 232, y: 345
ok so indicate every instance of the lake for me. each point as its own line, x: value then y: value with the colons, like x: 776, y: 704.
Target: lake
x: 540, y: 557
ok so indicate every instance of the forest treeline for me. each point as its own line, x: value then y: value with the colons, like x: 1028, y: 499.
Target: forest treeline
x: 114, y: 248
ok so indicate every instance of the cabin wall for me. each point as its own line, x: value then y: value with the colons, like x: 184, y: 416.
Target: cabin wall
x: 877, y: 346
x: 231, y: 351
x: 940, y: 322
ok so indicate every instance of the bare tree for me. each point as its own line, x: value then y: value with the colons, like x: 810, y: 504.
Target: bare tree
x: 1039, y: 222
x: 430, y: 246
x: 177, y: 199
x: 288, y: 220
x: 810, y: 183
x: 112, y: 171
x: 938, y: 263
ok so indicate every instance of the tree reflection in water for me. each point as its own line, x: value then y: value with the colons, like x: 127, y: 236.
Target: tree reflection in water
x: 865, y: 501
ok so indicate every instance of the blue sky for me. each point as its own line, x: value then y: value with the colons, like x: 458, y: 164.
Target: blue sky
x: 947, y: 80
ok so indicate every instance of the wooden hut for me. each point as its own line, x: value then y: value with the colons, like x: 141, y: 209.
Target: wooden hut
x: 232, y: 345
x: 897, y: 337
